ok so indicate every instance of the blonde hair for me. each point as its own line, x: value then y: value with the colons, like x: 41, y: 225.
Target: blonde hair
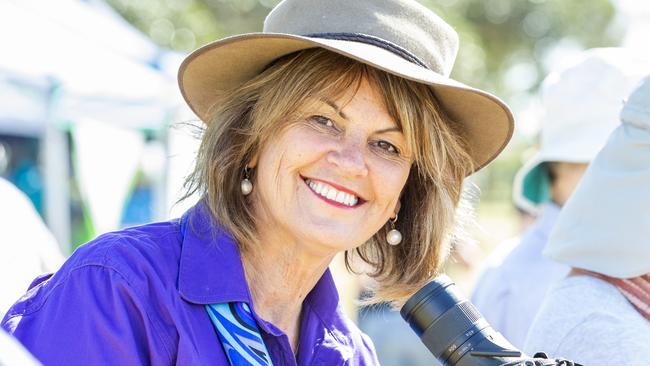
x: 244, y: 119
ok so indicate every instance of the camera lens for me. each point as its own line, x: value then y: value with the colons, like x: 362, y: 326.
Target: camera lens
x: 451, y: 327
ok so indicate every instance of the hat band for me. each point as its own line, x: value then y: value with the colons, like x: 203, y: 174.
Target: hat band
x: 372, y: 40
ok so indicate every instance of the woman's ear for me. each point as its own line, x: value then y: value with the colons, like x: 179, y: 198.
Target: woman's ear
x: 398, y: 205
x: 253, y: 162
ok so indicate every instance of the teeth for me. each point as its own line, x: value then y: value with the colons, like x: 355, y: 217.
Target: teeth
x: 332, y: 193
x: 348, y: 200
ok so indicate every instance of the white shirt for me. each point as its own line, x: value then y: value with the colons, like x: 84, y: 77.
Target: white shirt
x: 27, y: 248
x: 12, y: 353
x: 511, y: 288
x: 588, y: 321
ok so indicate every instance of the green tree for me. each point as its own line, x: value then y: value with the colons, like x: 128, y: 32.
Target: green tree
x: 503, y: 42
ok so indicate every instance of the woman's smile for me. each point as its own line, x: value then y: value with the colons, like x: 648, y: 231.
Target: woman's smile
x: 334, y: 194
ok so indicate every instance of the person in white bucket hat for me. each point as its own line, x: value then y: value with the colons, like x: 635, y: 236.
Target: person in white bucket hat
x: 581, y: 105
x: 600, y: 313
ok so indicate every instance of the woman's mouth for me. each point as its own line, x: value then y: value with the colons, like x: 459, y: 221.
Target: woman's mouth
x: 333, y: 195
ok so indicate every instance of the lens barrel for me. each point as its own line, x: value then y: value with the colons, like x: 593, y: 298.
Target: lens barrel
x: 452, y: 329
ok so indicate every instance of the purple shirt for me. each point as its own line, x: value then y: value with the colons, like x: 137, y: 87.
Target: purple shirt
x: 138, y: 296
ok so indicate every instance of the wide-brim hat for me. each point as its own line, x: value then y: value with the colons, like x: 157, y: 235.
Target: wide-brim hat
x: 400, y: 37
x: 604, y: 227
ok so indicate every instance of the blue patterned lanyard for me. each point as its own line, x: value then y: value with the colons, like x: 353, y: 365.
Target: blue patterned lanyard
x: 239, y: 334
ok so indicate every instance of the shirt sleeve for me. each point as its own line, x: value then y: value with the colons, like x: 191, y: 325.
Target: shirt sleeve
x: 92, y: 316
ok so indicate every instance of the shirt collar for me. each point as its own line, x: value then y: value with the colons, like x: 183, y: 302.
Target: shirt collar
x: 324, y: 297
x: 211, y: 270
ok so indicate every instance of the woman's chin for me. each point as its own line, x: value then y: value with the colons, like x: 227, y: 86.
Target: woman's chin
x: 337, y: 241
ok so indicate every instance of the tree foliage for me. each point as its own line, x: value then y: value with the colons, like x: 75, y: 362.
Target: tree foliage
x: 503, y: 42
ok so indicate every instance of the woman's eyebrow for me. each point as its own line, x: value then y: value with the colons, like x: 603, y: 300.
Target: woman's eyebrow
x: 389, y: 129
x: 336, y: 108
x: 340, y: 112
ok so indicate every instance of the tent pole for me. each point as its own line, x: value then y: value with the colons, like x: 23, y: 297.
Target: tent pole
x: 56, y: 171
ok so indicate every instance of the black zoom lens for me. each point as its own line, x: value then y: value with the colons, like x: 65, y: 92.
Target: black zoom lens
x: 453, y: 330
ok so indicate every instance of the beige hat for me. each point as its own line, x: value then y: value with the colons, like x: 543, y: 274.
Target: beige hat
x: 401, y: 37
x: 605, y: 225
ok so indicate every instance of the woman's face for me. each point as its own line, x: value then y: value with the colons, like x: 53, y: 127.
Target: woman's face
x: 332, y: 180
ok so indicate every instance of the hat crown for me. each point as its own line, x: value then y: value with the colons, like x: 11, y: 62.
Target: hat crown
x: 582, y: 102
x: 402, y: 23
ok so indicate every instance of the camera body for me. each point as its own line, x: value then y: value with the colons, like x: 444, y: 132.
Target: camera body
x: 457, y: 334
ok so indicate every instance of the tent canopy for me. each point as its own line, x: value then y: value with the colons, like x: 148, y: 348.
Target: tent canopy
x: 95, y: 63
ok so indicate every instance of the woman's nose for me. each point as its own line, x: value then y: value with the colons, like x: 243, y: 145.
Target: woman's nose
x: 349, y: 158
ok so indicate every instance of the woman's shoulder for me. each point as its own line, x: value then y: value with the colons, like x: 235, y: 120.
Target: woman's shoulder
x: 129, y: 246
x: 135, y: 259
x: 136, y: 255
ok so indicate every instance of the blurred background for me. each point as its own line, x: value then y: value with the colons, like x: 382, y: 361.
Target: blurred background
x: 94, y: 132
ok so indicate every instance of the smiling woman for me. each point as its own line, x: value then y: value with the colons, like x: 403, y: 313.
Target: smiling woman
x: 337, y: 125
x: 335, y: 130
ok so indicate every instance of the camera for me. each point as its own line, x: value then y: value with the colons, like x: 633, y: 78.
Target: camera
x: 458, y: 335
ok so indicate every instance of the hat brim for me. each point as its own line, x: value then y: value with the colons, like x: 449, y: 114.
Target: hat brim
x: 222, y: 65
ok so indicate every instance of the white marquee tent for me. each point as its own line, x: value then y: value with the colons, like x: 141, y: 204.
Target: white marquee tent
x: 77, y: 65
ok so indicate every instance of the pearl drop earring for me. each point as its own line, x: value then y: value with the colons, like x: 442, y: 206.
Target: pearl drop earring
x: 246, y: 184
x: 394, y: 237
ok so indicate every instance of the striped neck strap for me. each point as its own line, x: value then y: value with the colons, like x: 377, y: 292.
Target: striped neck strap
x: 635, y: 289
x: 239, y: 334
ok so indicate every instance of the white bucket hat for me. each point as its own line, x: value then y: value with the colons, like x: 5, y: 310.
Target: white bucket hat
x: 581, y: 105
x: 605, y: 225
x: 401, y: 37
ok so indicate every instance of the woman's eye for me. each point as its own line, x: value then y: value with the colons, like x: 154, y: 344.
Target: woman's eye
x: 323, y: 121
x: 387, y: 146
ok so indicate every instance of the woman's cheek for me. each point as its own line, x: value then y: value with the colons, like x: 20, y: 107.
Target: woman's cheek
x: 313, y: 142
x: 392, y: 172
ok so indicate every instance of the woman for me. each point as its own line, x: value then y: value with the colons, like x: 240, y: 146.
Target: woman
x: 600, y: 313
x: 337, y: 129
